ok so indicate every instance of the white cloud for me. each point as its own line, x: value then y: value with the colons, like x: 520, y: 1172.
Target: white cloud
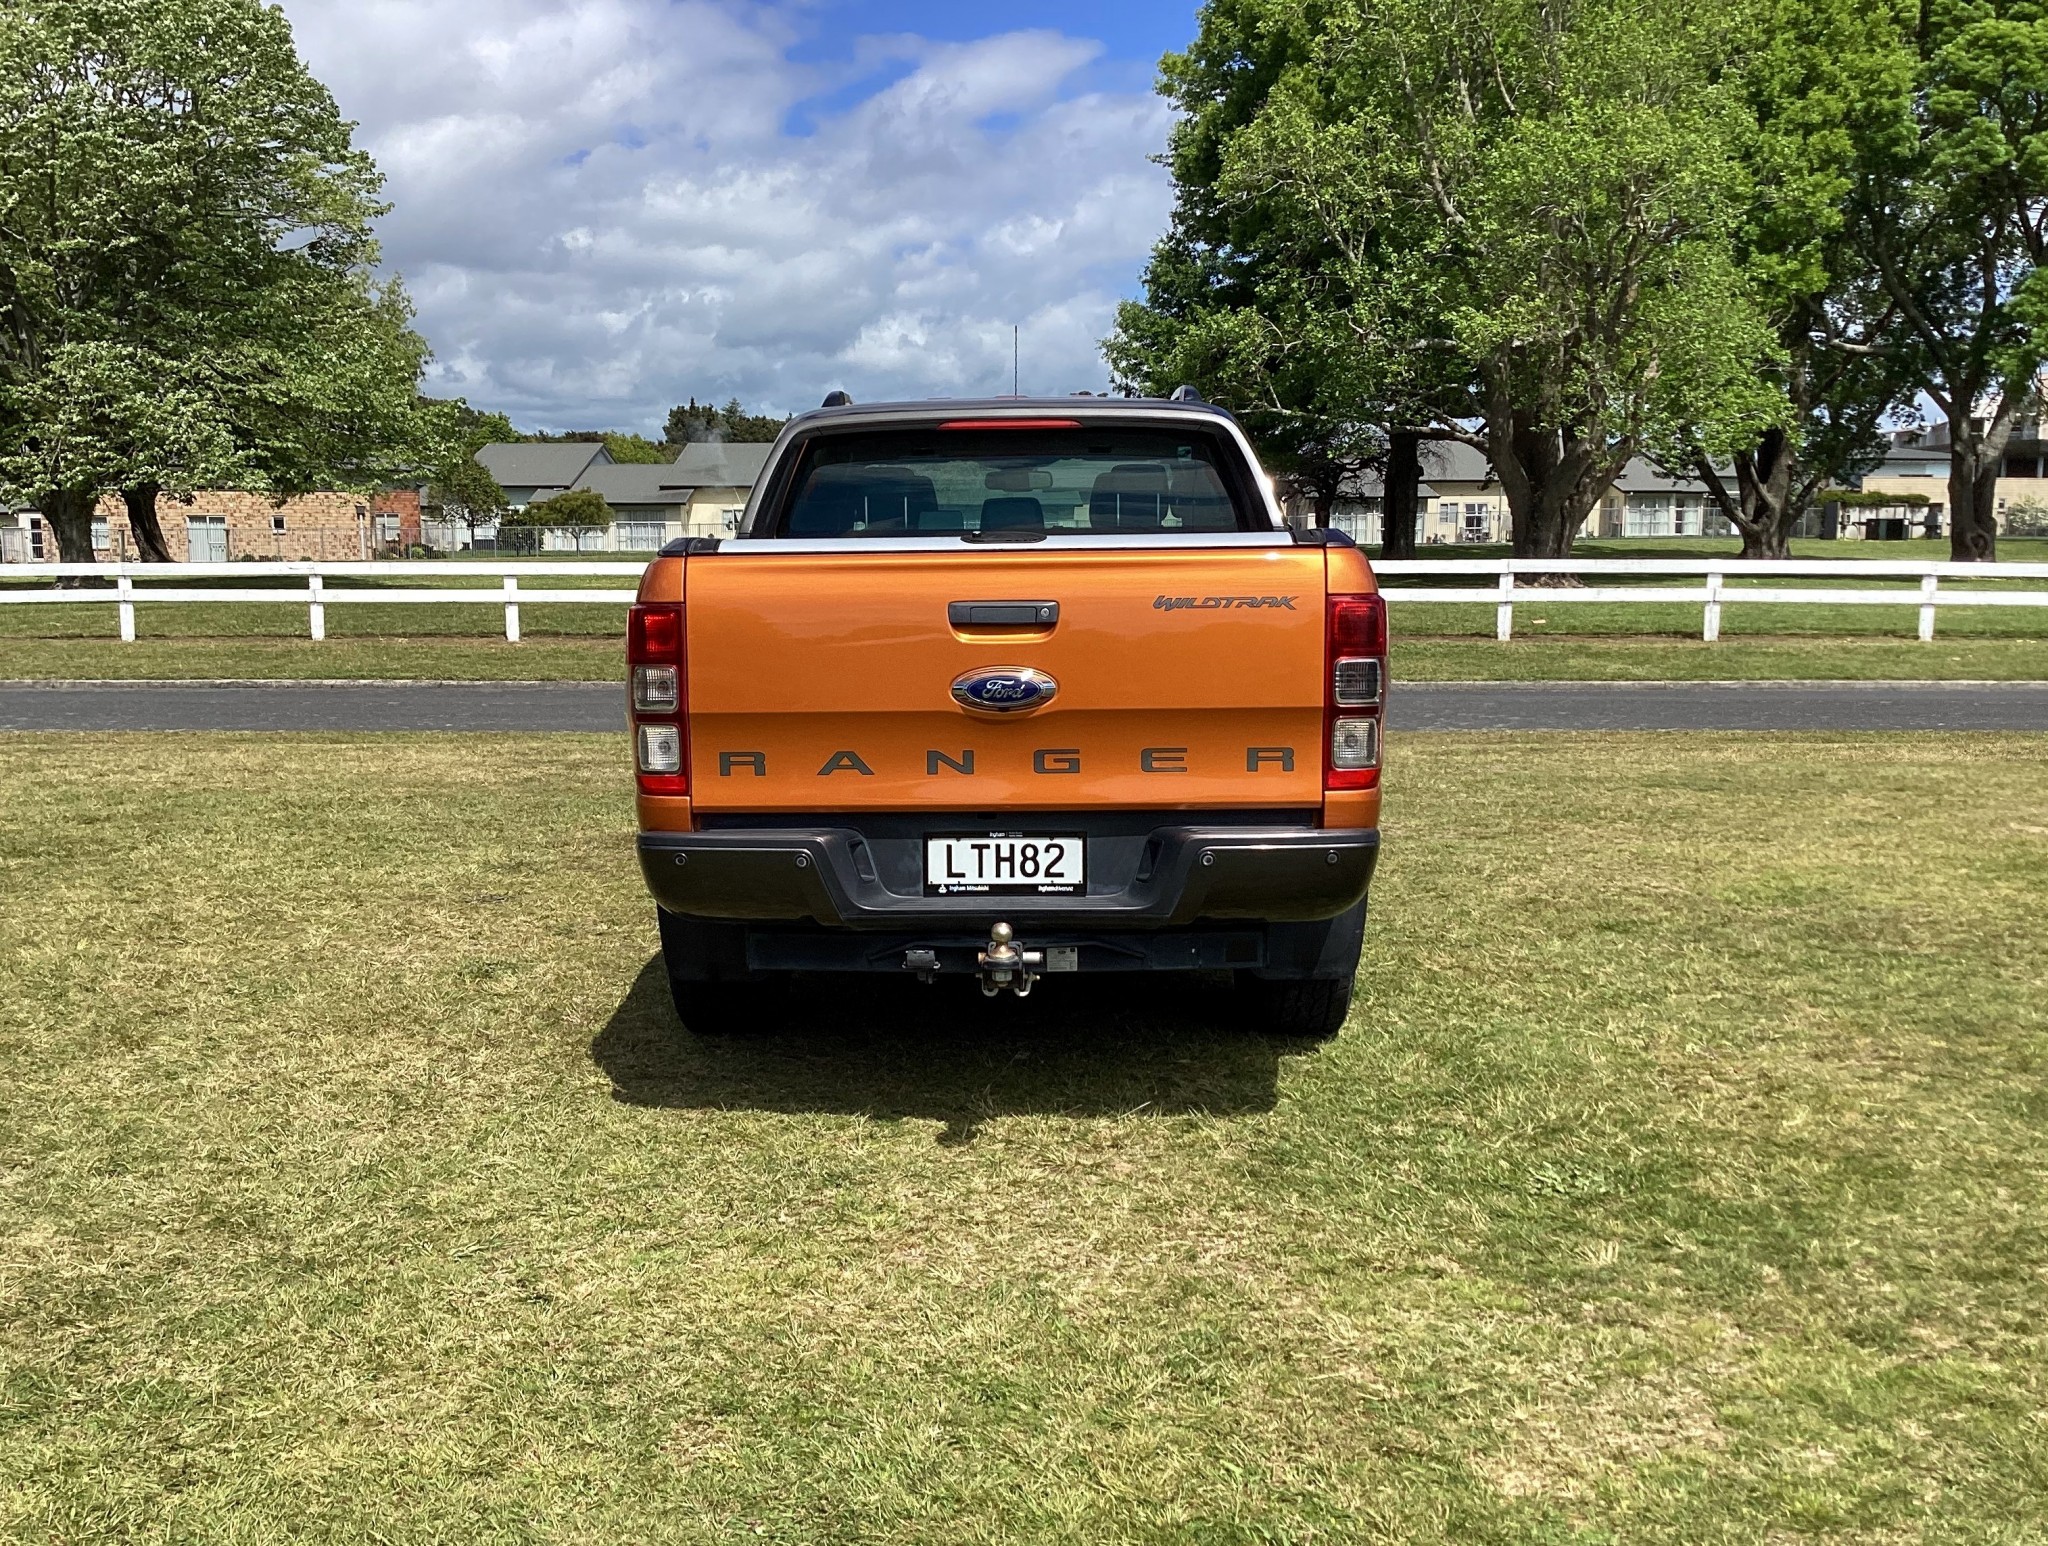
x: 599, y: 209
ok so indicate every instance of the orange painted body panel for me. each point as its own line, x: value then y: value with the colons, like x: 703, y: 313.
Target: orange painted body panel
x: 796, y: 659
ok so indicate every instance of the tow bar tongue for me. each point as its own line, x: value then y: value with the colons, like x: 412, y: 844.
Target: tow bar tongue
x: 1003, y: 965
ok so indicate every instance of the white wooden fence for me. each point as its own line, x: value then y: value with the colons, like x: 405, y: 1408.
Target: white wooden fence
x: 1712, y: 592
x: 1507, y: 585
x: 313, y: 593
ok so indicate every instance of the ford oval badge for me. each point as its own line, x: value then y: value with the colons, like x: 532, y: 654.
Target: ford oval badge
x: 1004, y: 689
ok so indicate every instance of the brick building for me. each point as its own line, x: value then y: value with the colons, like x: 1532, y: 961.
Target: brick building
x: 222, y: 525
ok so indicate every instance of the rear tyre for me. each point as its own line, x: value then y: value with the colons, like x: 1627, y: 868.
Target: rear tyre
x: 1311, y: 1010
x: 708, y: 980
x: 724, y: 1008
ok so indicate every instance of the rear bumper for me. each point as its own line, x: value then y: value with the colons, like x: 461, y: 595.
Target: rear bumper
x: 827, y: 875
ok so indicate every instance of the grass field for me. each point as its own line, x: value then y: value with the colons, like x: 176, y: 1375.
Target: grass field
x: 1415, y: 659
x: 1679, y: 1178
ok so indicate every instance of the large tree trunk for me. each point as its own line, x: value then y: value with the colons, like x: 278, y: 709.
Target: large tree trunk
x: 143, y: 522
x: 1976, y: 456
x: 1973, y: 468
x: 1400, y: 500
x: 67, y: 516
x: 1761, y: 506
x: 1552, y: 476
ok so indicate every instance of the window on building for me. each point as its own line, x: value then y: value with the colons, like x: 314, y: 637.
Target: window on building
x: 102, y: 534
x: 639, y: 536
x: 2023, y: 466
x: 730, y: 516
x: 1477, y: 525
x: 1649, y: 515
x: 206, y: 539
x: 277, y: 522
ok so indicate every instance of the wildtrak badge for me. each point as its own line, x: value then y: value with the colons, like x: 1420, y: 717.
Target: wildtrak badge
x: 1208, y: 603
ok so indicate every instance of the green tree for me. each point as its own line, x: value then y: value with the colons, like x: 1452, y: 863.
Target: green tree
x: 459, y: 485
x: 1528, y: 211
x: 185, y: 266
x: 693, y: 421
x: 1804, y: 80
x: 1950, y: 209
x: 620, y: 445
x: 1245, y: 299
x: 576, y: 507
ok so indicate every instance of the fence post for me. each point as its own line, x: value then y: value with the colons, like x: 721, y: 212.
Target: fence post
x: 316, y: 609
x: 1927, y: 585
x: 1504, y: 614
x: 1711, y: 630
x: 511, y: 609
x: 126, y: 587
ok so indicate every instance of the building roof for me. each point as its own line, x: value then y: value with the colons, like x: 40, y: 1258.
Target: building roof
x: 719, y: 464
x: 553, y: 464
x: 1452, y: 461
x: 1372, y: 484
x: 1913, y: 461
x: 638, y: 483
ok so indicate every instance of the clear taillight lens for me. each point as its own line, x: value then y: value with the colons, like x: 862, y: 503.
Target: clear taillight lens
x: 661, y: 749
x: 1354, y: 744
x: 1356, y: 684
x: 657, y: 689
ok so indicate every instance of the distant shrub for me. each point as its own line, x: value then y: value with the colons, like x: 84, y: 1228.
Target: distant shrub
x: 576, y: 507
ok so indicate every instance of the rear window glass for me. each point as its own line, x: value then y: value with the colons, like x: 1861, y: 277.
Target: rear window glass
x: 1014, y: 484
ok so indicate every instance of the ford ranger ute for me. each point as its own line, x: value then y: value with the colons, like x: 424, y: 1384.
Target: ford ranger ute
x: 1004, y: 690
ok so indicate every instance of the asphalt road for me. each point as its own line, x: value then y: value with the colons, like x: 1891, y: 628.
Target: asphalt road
x: 559, y: 706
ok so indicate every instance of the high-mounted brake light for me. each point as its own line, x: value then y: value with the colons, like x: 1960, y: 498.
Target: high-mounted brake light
x: 1011, y: 424
x: 1355, y: 690
x: 661, y: 744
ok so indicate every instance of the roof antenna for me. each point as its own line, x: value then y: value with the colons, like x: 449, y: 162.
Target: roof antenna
x: 1185, y: 394
x: 1015, y: 356
x: 838, y: 400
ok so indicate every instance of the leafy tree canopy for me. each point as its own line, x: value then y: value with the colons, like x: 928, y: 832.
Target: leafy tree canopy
x: 621, y: 445
x: 1950, y: 210
x: 186, y: 265
x: 582, y: 507
x: 1511, y: 216
x: 693, y: 421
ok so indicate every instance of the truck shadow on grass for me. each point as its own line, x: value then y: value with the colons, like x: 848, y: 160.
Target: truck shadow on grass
x: 891, y: 1049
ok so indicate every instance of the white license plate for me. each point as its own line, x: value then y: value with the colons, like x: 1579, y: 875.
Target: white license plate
x: 1005, y: 864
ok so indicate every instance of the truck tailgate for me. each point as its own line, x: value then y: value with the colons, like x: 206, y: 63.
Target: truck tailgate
x: 1187, y: 678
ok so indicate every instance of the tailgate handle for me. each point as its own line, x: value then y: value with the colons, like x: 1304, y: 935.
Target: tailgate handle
x: 1003, y: 614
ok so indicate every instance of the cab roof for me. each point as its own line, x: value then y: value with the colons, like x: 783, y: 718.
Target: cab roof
x: 1077, y: 406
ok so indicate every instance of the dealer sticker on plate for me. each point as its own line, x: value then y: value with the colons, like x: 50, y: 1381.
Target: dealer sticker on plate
x: 1005, y: 864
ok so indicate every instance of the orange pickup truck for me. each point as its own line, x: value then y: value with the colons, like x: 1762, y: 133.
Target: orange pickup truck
x: 1008, y: 689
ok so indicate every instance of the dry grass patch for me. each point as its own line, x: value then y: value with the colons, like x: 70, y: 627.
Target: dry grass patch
x: 1678, y: 1180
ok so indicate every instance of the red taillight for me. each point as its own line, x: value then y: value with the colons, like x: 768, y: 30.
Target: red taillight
x: 1354, y: 691
x: 654, y: 635
x: 1011, y: 424
x: 657, y: 698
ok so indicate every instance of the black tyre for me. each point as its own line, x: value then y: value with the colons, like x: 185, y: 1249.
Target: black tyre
x: 726, y: 1008
x: 714, y: 993
x: 1310, y: 1010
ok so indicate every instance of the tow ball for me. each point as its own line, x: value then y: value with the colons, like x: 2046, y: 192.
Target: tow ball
x: 1003, y: 965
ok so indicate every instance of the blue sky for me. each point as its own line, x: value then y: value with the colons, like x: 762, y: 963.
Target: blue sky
x: 604, y: 206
